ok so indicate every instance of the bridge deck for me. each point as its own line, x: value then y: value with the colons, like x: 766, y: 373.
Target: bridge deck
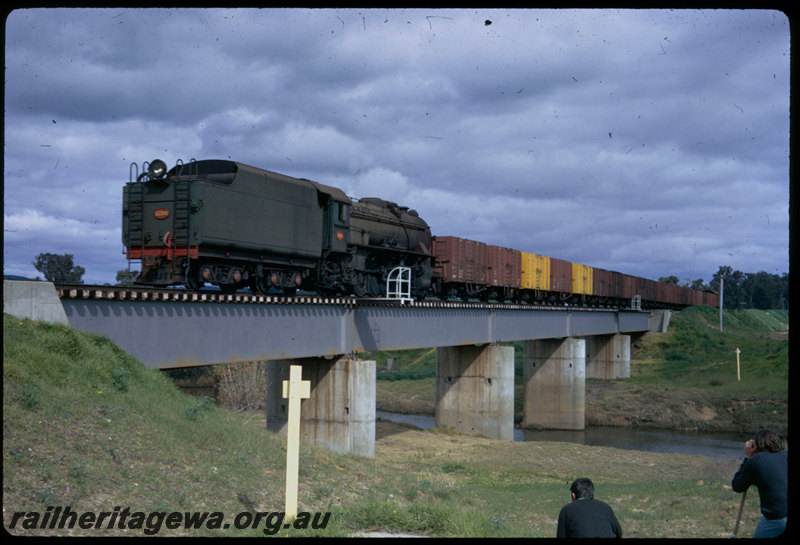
x: 171, y: 331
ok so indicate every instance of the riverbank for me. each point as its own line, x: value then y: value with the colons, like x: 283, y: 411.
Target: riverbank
x: 620, y: 404
x: 671, y: 407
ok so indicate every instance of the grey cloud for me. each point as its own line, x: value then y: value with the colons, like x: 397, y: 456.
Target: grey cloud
x: 616, y: 138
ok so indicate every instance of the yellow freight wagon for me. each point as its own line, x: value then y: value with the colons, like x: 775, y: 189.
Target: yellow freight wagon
x: 582, y: 281
x: 535, y: 272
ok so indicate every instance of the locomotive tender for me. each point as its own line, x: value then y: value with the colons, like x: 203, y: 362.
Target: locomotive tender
x: 235, y: 226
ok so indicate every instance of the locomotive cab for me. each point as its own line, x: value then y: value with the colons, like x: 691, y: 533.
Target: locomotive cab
x: 335, y: 218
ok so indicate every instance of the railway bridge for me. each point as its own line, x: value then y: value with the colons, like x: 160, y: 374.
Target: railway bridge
x: 474, y: 369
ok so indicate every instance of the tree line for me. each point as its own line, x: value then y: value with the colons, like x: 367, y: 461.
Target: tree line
x: 760, y: 290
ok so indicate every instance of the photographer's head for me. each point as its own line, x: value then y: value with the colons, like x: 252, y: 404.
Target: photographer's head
x: 768, y: 441
x: 582, y: 488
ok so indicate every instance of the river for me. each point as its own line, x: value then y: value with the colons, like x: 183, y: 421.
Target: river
x: 720, y: 445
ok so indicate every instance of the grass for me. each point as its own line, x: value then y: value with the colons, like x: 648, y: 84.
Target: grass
x: 694, y: 366
x: 85, y: 425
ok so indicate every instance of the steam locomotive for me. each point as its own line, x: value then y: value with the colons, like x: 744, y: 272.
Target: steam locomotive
x: 232, y: 225
x: 236, y: 226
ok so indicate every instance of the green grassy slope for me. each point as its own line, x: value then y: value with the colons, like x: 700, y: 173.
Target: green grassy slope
x: 86, y: 425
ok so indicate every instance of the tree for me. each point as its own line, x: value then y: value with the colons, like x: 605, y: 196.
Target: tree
x: 733, y: 292
x: 671, y: 280
x: 760, y: 290
x: 784, y: 298
x: 698, y: 285
x: 59, y: 268
x: 126, y: 277
x: 763, y: 290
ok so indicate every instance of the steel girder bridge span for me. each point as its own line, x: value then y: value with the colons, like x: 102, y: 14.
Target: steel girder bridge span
x: 170, y: 332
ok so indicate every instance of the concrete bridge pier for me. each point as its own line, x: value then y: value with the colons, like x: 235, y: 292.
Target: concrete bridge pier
x: 608, y: 356
x: 340, y: 414
x: 554, y: 384
x: 475, y: 390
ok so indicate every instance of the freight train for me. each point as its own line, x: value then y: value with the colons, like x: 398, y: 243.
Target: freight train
x: 235, y: 226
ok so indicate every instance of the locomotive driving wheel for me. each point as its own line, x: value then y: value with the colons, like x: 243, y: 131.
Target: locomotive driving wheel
x: 366, y: 285
x: 375, y: 286
x: 360, y: 287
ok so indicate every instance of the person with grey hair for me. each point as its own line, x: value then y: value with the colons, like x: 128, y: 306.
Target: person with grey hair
x: 586, y: 516
x: 766, y: 466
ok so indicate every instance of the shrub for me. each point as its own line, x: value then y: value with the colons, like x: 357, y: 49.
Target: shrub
x: 198, y: 410
x: 242, y: 385
x: 121, y: 379
x: 29, y: 397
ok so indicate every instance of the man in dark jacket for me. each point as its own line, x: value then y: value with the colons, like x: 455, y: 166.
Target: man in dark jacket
x: 586, y: 516
x: 766, y: 465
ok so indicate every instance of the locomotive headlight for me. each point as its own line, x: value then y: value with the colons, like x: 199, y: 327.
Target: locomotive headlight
x: 157, y: 169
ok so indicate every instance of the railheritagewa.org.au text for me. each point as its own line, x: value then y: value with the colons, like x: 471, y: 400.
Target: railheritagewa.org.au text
x: 58, y: 517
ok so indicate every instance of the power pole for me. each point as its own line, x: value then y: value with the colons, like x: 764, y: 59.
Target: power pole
x: 721, y: 295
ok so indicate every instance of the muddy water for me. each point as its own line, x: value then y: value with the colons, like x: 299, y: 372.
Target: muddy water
x: 713, y: 445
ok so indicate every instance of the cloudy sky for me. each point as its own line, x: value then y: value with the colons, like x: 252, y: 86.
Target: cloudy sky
x: 653, y: 143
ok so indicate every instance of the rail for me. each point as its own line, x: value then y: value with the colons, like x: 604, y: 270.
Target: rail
x: 133, y: 293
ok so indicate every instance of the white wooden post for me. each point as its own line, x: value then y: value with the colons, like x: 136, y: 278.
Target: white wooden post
x: 295, y: 389
x: 738, y: 372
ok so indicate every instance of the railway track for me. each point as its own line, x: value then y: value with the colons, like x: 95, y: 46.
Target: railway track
x: 132, y: 293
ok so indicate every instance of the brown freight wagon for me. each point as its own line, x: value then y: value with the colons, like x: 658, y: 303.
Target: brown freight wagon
x: 647, y: 289
x: 504, y: 267
x: 460, y: 260
x: 560, y: 275
x: 630, y: 287
x: 673, y: 295
x: 690, y: 297
x: 711, y: 298
x: 661, y: 292
x: 676, y: 295
x: 685, y: 296
x: 667, y: 293
x: 608, y: 283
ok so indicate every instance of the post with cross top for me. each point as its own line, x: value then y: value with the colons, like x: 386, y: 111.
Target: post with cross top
x: 294, y: 389
x: 738, y: 369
